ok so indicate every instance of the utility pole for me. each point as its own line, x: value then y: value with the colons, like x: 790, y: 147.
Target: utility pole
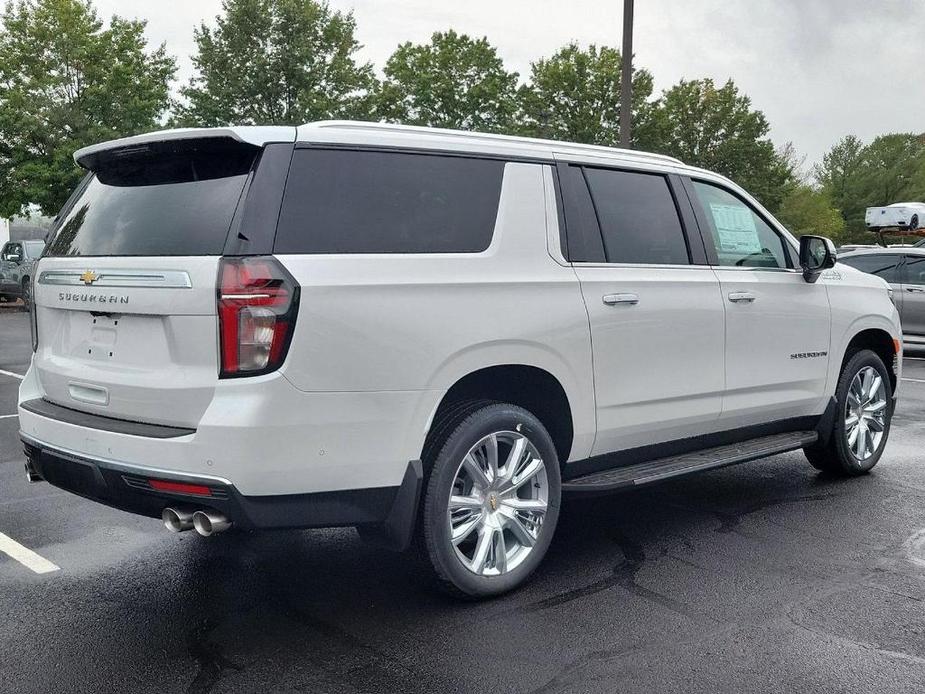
x: 626, y: 77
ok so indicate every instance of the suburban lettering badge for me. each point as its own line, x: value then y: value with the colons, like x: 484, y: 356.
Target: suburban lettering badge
x: 74, y: 297
x: 808, y: 355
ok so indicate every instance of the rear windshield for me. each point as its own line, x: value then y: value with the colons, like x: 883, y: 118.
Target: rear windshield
x: 156, y: 203
x: 388, y: 202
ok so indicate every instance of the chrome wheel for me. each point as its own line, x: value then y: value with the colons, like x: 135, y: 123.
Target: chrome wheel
x: 865, y: 413
x: 497, y: 503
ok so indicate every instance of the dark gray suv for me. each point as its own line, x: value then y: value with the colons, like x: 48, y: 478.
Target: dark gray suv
x: 904, y: 270
x: 16, y: 262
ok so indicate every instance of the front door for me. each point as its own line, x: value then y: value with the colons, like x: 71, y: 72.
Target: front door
x: 657, y: 320
x: 777, y: 324
x: 912, y: 309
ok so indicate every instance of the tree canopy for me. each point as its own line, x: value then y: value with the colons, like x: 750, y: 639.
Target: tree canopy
x: 889, y: 169
x: 807, y: 210
x: 575, y: 95
x: 67, y: 81
x: 716, y: 128
x: 276, y: 62
x: 454, y: 81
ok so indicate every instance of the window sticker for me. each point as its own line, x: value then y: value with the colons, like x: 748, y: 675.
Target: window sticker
x: 735, y: 227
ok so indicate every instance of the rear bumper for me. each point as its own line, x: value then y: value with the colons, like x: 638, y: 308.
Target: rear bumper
x: 263, y: 436
x: 128, y: 487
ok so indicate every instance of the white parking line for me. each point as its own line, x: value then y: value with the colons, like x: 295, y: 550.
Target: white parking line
x: 26, y: 556
x: 915, y: 380
x: 8, y: 416
x: 10, y: 373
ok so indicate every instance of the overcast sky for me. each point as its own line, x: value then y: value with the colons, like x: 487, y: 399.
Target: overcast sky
x: 819, y: 69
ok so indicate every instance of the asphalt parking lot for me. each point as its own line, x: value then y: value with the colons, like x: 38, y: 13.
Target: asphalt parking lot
x: 764, y: 577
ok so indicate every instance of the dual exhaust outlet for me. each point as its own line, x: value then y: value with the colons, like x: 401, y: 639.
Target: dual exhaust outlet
x: 205, y: 522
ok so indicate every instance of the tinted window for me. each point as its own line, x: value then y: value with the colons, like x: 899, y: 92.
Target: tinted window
x: 914, y: 270
x: 880, y: 264
x: 584, y: 236
x: 388, y: 202
x: 741, y: 237
x: 176, y: 203
x: 34, y: 248
x: 638, y: 217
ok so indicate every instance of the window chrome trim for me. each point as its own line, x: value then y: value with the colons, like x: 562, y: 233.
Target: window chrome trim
x: 651, y: 266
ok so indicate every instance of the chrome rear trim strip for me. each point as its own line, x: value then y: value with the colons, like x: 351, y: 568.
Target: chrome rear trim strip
x: 168, y: 279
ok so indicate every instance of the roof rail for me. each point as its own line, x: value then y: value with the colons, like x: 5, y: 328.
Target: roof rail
x: 489, y: 137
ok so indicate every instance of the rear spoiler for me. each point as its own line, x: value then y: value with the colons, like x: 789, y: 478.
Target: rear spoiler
x: 91, y: 157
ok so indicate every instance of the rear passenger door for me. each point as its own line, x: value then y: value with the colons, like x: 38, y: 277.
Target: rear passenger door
x: 777, y: 324
x: 912, y: 309
x: 654, y: 305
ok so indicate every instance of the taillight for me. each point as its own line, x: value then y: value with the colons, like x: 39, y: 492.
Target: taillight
x: 257, y: 306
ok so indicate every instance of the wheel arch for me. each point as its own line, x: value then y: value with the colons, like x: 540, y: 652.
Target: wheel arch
x: 526, y: 385
x: 881, y: 342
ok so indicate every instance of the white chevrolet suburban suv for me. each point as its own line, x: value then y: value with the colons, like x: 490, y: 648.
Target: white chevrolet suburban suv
x: 431, y: 336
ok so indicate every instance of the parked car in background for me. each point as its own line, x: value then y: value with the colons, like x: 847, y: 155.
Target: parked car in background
x: 16, y: 262
x: 907, y: 216
x: 904, y: 270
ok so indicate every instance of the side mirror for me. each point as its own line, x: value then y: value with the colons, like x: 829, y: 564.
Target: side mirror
x: 817, y: 254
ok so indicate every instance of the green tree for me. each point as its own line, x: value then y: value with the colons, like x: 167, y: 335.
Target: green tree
x: 66, y: 82
x: 574, y: 95
x: 893, y: 169
x: 806, y: 210
x: 857, y: 176
x: 452, y: 82
x: 276, y: 62
x: 717, y: 128
x: 839, y: 174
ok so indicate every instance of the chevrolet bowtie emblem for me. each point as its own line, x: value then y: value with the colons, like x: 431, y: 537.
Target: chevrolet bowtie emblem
x: 89, y: 277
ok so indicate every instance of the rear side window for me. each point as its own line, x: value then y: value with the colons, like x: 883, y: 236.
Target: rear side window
x: 175, y: 202
x: 388, y: 202
x: 880, y: 264
x: 638, y: 218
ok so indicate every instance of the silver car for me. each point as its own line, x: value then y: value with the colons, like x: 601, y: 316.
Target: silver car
x: 904, y: 269
x: 16, y: 262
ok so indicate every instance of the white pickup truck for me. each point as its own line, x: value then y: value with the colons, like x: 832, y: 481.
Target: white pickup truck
x: 909, y: 216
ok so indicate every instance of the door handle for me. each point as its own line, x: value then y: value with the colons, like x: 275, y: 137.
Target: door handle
x: 918, y: 290
x: 741, y: 297
x: 616, y: 299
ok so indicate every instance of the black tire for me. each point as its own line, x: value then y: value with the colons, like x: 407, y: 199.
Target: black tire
x: 453, y: 436
x: 835, y: 455
x: 914, y: 223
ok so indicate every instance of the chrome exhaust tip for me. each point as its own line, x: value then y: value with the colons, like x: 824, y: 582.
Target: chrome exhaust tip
x: 176, y: 520
x: 209, y: 523
x: 32, y: 475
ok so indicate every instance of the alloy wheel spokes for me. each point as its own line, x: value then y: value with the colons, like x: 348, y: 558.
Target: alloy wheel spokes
x: 865, y: 416
x: 498, y: 503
